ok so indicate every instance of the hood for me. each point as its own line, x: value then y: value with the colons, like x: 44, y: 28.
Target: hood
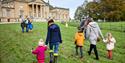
x: 80, y: 34
x: 54, y: 27
x: 93, y: 24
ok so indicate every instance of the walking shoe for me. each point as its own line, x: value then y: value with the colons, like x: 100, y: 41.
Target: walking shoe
x: 96, y: 58
x: 50, y: 51
x: 81, y: 57
x: 88, y: 53
x: 55, y: 54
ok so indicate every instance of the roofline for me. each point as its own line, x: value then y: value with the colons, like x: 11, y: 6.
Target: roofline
x: 61, y: 8
x: 3, y: 2
x: 37, y: 2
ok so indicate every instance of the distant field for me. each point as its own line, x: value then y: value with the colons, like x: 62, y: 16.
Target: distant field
x: 15, y: 46
x: 114, y: 26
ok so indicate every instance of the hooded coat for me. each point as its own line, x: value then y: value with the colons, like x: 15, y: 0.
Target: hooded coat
x: 40, y: 53
x: 54, y: 34
x: 93, y: 32
x: 79, y: 39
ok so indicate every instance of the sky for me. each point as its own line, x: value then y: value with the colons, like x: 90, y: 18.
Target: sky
x: 71, y: 4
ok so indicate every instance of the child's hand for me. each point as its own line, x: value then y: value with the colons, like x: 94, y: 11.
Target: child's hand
x: 103, y: 40
x: 31, y: 50
x: 45, y: 45
x: 75, y: 42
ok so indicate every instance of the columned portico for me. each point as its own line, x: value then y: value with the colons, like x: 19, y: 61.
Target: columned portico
x: 38, y: 10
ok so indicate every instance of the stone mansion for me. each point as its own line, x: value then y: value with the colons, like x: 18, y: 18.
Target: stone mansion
x: 39, y: 10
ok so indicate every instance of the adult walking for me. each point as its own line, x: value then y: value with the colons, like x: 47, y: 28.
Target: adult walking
x: 24, y: 23
x: 53, y: 37
x: 93, y: 33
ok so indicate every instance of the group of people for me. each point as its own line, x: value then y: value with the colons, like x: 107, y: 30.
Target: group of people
x: 53, y: 39
x: 90, y: 30
x: 26, y: 23
x: 93, y: 33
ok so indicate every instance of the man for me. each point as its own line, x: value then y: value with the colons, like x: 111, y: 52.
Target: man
x: 93, y: 33
x: 53, y: 37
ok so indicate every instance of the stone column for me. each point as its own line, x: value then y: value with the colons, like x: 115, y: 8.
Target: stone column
x: 36, y: 10
x: 0, y: 10
x: 45, y: 12
x: 33, y: 10
x: 41, y: 10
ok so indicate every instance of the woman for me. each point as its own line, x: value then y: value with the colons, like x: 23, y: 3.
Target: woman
x: 93, y: 33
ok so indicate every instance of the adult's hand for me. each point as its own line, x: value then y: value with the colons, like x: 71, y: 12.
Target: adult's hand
x: 104, y: 40
x: 61, y: 41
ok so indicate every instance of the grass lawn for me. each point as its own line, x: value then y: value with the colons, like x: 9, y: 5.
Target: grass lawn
x: 15, y: 46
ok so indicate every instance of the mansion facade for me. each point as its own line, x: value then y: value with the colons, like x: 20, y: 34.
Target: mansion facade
x: 38, y: 10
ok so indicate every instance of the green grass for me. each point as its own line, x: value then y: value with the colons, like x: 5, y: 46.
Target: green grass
x: 114, y: 26
x: 15, y: 46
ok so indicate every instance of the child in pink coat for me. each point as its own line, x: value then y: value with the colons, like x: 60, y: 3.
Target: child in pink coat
x: 40, y: 51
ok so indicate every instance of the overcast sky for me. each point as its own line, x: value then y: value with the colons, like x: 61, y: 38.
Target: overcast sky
x: 71, y: 4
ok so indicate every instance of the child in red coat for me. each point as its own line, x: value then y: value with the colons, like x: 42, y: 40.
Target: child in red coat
x: 40, y: 51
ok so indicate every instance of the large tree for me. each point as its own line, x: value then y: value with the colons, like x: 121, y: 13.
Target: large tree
x: 111, y: 10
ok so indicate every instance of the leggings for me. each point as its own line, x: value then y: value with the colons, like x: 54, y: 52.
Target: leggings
x: 95, y: 50
x: 110, y: 54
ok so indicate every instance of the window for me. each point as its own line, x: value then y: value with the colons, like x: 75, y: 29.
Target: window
x: 8, y: 12
x: 21, y: 12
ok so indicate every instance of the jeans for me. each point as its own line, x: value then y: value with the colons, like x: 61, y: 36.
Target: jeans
x: 81, y: 51
x: 22, y: 26
x: 55, y: 45
x: 22, y: 29
x: 27, y: 28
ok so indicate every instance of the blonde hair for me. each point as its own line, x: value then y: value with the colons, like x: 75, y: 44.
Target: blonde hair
x: 109, y: 36
x: 41, y: 42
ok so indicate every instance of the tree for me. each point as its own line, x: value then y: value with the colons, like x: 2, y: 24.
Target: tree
x: 111, y: 10
x: 79, y: 13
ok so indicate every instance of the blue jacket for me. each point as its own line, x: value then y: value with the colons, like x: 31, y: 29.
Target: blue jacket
x: 54, y: 34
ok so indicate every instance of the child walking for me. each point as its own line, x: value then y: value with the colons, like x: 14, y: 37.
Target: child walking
x: 40, y: 51
x: 110, y: 41
x: 79, y: 41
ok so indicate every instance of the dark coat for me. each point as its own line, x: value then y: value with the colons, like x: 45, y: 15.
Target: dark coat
x: 54, y: 34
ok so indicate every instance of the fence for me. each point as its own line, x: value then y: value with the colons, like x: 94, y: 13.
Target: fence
x: 111, y: 26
